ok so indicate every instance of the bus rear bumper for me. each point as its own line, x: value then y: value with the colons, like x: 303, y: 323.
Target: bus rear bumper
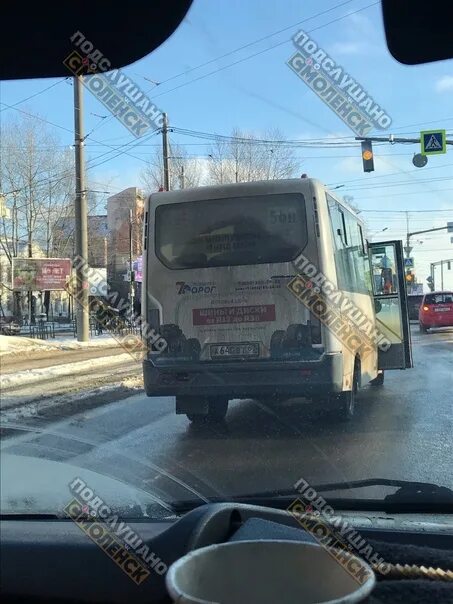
x: 246, y: 379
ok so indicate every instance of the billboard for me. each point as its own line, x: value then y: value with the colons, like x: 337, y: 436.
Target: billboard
x: 41, y: 274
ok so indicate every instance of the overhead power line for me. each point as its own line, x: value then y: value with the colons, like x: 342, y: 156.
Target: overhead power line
x: 257, y: 41
x: 260, y: 52
x: 247, y: 58
x: 327, y: 142
x: 32, y: 96
x: 123, y: 148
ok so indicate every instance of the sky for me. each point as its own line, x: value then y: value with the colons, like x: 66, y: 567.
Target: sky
x: 252, y: 89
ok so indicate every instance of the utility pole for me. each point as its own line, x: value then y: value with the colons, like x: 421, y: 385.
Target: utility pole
x: 131, y: 266
x: 48, y: 221
x: 31, y: 309
x: 442, y: 275
x: 408, y: 248
x: 81, y: 221
x: 14, y: 225
x: 182, y: 178
x: 30, y: 221
x: 17, y: 296
x: 165, y: 153
x: 47, y: 293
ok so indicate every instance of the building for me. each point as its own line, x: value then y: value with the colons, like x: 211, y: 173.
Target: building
x: 124, y: 218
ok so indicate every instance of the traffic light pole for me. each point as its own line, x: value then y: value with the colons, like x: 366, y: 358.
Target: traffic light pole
x: 367, y: 148
x: 441, y: 263
x: 409, y: 235
x: 393, y: 139
x: 408, y: 247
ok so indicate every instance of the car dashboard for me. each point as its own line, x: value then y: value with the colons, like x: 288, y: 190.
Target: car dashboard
x: 54, y: 560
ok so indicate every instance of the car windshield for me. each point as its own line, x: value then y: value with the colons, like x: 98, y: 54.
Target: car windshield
x: 227, y: 267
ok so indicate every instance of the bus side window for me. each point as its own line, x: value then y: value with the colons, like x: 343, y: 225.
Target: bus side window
x: 361, y: 239
x: 343, y: 222
x: 351, y: 260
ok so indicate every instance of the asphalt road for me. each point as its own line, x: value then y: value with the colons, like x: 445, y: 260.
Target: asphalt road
x: 403, y: 430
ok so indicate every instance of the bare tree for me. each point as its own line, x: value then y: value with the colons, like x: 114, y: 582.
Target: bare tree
x: 37, y: 175
x: 185, y: 171
x: 37, y: 180
x: 245, y: 157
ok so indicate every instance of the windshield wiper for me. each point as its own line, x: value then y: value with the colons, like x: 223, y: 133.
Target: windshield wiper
x: 411, y: 496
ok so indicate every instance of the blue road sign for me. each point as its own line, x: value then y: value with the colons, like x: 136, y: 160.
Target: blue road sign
x: 433, y: 142
x: 409, y: 262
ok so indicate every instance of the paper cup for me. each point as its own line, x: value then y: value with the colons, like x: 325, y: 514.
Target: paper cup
x: 266, y: 572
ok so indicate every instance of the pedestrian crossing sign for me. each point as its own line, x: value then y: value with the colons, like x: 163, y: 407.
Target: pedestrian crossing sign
x: 433, y: 142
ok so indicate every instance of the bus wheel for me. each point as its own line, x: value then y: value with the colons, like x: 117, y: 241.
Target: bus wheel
x: 423, y: 329
x: 347, y: 404
x: 217, y: 410
x: 346, y: 400
x: 193, y: 348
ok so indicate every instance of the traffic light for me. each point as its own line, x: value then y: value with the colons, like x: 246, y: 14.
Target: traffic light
x: 367, y: 156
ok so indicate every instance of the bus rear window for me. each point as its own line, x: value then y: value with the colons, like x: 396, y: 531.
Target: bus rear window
x: 231, y: 232
x: 443, y: 298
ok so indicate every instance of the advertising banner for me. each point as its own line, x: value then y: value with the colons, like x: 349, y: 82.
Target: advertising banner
x: 41, y: 274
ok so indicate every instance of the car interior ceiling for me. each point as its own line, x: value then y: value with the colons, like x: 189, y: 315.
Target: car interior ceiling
x: 49, y: 558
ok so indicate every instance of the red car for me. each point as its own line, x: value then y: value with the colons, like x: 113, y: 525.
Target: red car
x: 436, y: 310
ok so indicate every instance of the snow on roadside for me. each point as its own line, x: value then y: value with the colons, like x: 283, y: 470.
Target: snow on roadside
x: 20, y: 345
x: 35, y: 407
x: 22, y: 378
x: 134, y: 381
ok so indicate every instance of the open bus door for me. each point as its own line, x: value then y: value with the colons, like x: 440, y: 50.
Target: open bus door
x: 390, y: 299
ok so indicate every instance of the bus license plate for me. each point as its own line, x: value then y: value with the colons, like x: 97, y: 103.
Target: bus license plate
x: 441, y: 309
x: 235, y: 350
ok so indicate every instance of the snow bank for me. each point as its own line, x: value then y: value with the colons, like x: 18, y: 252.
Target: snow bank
x: 10, y: 345
x: 31, y: 376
